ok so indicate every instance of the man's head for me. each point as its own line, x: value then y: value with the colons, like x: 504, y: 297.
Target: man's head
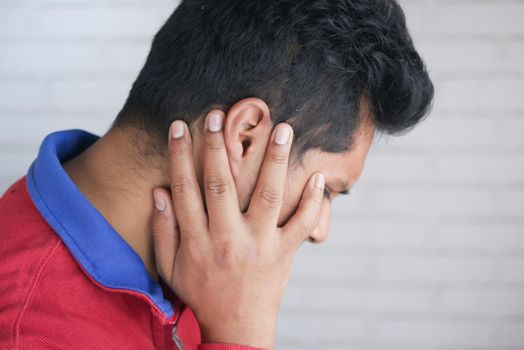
x: 336, y: 71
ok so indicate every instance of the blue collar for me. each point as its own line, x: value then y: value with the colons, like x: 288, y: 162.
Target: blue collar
x: 94, y: 243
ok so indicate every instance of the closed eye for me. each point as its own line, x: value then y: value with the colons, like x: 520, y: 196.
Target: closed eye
x: 328, y: 192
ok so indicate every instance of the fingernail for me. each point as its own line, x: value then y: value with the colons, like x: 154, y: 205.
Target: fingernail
x: 177, y: 129
x: 282, y: 135
x: 160, y: 204
x: 214, y: 122
x: 320, y: 181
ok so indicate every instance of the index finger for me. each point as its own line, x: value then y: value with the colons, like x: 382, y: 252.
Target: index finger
x: 269, y: 192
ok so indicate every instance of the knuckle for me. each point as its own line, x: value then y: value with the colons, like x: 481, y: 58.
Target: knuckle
x: 193, y: 249
x: 217, y: 186
x: 158, y: 226
x: 278, y: 157
x: 270, y: 197
x: 180, y: 185
x: 227, y: 256
x: 213, y: 145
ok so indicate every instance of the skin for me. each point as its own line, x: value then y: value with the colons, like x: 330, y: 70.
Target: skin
x: 249, y: 121
x: 293, y: 210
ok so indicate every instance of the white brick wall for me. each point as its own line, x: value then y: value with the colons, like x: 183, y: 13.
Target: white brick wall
x: 427, y: 252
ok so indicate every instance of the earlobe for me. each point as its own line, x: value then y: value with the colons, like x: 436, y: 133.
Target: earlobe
x: 248, y: 122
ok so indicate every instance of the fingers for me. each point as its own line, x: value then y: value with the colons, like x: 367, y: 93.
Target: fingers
x: 185, y: 191
x: 166, y: 236
x: 268, y: 196
x: 220, y: 191
x: 305, y: 220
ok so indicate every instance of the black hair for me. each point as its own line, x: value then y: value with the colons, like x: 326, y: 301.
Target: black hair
x: 314, y: 62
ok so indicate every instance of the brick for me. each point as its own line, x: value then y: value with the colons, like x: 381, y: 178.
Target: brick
x: 46, y: 23
x: 17, y: 94
x: 488, y: 19
x: 513, y: 133
x: 443, y: 131
x: 357, y: 299
x: 434, y: 269
x: 512, y: 270
x: 110, y: 93
x: 70, y: 59
x: 515, y: 55
x: 350, y: 233
x: 391, y: 167
x: 328, y: 266
x: 418, y: 204
x: 31, y: 131
x: 512, y: 203
x: 320, y: 327
x: 513, y: 334
x: 447, y: 167
x: 496, y: 94
x: 498, y: 169
x: 466, y: 56
x: 475, y: 301
x: 497, y: 237
x: 109, y: 3
x: 435, y: 333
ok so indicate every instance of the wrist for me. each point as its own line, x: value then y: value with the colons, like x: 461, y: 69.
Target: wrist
x: 256, y: 332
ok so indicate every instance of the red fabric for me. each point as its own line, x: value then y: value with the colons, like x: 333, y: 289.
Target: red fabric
x: 47, y: 301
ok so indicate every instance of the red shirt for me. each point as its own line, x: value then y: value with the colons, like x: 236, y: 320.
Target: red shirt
x: 67, y: 278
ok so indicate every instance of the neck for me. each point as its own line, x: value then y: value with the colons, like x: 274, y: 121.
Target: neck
x: 121, y: 190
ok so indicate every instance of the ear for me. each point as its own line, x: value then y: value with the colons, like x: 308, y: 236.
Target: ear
x: 247, y: 130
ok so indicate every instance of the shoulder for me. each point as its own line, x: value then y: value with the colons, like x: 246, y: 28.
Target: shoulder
x: 28, y: 244
x: 23, y: 231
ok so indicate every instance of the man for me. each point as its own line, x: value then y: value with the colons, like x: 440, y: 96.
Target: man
x: 177, y: 228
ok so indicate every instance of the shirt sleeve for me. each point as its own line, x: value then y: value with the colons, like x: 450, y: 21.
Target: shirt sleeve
x: 216, y: 346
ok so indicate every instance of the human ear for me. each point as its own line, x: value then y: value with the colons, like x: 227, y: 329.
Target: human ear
x: 247, y: 130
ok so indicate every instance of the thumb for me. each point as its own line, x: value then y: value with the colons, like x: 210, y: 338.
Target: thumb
x: 166, y: 236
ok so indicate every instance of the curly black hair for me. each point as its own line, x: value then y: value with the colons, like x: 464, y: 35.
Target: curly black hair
x: 314, y: 62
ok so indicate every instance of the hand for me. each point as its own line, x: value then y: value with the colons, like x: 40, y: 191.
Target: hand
x: 231, y: 268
